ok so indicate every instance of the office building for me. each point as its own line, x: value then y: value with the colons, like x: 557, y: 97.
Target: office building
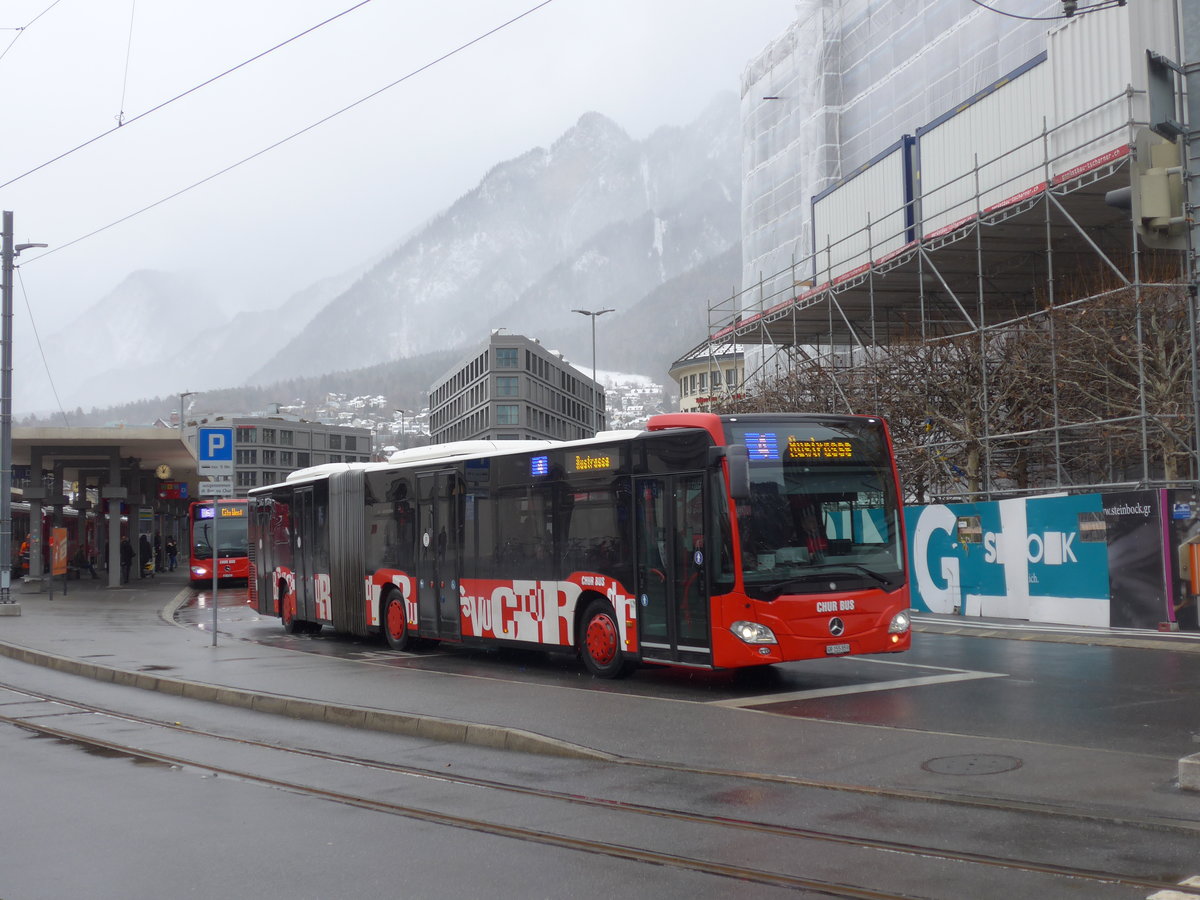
x: 513, y: 388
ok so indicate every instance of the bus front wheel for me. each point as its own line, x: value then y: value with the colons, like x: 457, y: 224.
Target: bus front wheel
x: 395, y: 625
x: 600, y: 642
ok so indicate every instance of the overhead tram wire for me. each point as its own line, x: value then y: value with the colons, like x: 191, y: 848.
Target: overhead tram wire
x: 37, y: 337
x: 20, y: 30
x: 125, y: 124
x: 333, y: 115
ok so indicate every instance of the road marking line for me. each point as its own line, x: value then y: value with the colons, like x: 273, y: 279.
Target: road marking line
x: 765, y: 699
x: 1194, y: 881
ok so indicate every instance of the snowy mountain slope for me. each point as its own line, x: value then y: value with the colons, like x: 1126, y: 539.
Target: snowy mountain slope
x: 595, y: 218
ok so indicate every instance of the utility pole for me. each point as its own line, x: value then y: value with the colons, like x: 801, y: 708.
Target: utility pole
x: 10, y: 252
x: 183, y: 395
x: 593, y: 315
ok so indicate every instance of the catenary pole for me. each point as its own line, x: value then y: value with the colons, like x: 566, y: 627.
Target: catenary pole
x: 9, y: 253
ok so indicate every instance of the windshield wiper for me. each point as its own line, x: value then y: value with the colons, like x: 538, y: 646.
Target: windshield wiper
x: 887, y: 582
x: 776, y: 589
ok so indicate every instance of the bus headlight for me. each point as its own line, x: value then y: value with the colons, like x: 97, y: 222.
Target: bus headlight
x: 200, y: 571
x: 753, y: 633
x: 900, y: 623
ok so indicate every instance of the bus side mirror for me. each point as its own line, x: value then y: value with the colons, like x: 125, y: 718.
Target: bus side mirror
x: 738, y: 461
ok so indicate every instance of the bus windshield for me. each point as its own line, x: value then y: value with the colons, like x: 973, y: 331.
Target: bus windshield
x: 823, y: 513
x: 231, y: 539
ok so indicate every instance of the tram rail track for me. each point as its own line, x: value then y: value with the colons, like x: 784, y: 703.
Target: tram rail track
x: 1078, y: 876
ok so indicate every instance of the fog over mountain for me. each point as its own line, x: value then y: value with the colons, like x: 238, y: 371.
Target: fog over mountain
x: 597, y: 220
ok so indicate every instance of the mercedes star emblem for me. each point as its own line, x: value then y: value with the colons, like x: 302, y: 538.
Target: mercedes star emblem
x: 836, y: 626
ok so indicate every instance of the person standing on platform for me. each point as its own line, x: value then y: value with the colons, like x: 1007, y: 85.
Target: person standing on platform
x: 144, y: 556
x: 126, y: 559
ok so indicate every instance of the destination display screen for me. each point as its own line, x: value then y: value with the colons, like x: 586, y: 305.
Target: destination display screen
x: 592, y: 461
x: 227, y: 512
x: 809, y: 442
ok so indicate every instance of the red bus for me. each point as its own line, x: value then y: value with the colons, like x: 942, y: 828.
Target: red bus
x: 704, y: 541
x: 228, y: 518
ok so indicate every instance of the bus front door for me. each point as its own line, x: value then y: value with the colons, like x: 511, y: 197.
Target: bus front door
x: 439, y: 514
x: 673, y: 603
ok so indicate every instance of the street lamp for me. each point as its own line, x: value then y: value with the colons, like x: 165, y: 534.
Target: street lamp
x: 402, y: 440
x: 593, y: 315
x: 10, y: 252
x: 182, y: 397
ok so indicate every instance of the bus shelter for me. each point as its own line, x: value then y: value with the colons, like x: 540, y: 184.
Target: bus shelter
x: 89, y: 479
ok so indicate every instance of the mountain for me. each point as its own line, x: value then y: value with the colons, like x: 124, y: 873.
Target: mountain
x: 144, y: 323
x: 598, y: 219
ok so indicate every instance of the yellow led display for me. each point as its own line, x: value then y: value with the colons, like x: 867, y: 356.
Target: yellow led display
x: 591, y: 463
x: 797, y: 449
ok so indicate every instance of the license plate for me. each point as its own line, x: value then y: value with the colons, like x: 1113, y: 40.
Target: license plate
x: 835, y: 649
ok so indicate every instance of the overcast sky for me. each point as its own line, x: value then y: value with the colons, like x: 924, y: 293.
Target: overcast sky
x: 349, y: 189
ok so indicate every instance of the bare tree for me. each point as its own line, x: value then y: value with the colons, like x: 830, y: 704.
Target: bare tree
x: 1086, y: 392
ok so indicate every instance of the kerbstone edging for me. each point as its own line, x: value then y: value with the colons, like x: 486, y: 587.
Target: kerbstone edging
x: 367, y: 718
x: 1189, y: 772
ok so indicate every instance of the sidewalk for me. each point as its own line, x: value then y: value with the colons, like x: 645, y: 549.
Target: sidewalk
x: 1021, y: 630
x: 127, y: 635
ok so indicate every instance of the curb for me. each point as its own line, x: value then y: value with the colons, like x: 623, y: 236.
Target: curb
x: 1186, y: 644
x: 495, y: 737
x: 1189, y: 772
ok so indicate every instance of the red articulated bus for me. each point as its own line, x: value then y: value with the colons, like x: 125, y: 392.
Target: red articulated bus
x: 704, y: 541
x: 228, y: 518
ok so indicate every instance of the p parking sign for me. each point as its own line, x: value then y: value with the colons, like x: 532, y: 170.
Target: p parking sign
x: 215, y: 451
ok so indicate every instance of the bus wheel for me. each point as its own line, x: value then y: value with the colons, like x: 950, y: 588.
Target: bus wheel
x: 600, y: 643
x: 291, y: 624
x: 395, y: 626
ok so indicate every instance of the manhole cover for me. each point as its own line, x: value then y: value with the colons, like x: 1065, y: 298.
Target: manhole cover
x: 972, y: 764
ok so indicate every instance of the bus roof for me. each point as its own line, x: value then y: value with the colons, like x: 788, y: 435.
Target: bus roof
x: 459, y: 449
x: 454, y: 450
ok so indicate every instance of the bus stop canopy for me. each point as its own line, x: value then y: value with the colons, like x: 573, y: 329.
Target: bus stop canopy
x: 137, y: 456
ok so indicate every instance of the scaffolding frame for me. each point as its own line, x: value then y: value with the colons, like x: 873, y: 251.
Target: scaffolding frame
x: 991, y: 272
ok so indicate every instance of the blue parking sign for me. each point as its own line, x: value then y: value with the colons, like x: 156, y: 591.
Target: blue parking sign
x: 214, y: 452
x: 216, y: 444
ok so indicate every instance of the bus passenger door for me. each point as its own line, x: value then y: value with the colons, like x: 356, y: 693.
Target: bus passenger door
x: 673, y: 607
x: 303, y: 543
x: 439, y: 500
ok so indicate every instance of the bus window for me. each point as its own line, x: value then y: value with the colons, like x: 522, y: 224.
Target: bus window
x: 593, y: 540
x: 390, y: 522
x: 525, y: 533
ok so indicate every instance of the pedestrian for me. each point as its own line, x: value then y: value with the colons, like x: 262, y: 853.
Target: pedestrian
x: 172, y: 553
x: 144, y: 558
x: 126, y: 559
x: 84, y: 563
x: 158, y: 557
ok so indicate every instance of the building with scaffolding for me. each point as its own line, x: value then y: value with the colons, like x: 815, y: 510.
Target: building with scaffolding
x: 931, y: 174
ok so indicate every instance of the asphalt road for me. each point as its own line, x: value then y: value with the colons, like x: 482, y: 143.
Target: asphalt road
x: 928, y: 774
